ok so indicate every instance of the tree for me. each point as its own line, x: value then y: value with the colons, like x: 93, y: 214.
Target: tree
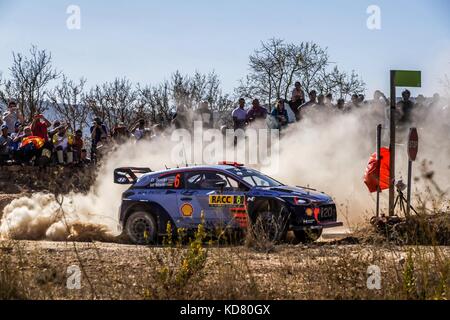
x: 154, y: 103
x: 277, y: 65
x: 340, y: 84
x: 29, y: 79
x: 68, y: 101
x: 191, y: 90
x: 114, y: 102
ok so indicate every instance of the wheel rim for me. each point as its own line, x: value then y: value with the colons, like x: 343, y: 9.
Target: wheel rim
x: 141, y: 230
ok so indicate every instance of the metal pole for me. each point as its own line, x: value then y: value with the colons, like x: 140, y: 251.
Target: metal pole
x: 392, y: 146
x: 408, y: 196
x: 378, y: 168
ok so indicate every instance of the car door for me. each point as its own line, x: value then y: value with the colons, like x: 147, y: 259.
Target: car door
x: 216, y: 202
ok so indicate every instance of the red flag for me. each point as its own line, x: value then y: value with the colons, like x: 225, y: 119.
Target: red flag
x: 372, y: 172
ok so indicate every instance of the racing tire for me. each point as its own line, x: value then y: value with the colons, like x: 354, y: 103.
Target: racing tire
x: 307, y: 236
x: 270, y: 226
x: 141, y: 228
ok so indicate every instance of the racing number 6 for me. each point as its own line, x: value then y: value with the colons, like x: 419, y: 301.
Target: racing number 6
x: 177, y: 181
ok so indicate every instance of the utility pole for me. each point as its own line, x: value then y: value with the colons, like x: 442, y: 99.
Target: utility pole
x: 392, y: 145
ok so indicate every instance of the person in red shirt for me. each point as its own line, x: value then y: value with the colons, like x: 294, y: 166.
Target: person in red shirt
x: 40, y: 126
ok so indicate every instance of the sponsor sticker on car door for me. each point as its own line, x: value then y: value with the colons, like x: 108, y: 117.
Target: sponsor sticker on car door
x: 226, y: 200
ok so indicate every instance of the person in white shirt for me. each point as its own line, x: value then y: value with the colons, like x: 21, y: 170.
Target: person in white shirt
x: 239, y: 115
x: 11, y: 116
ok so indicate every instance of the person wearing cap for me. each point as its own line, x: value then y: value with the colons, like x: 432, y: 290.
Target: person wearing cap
x: 11, y: 116
x: 5, y: 145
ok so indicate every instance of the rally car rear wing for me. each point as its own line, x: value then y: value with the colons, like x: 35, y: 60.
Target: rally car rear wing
x: 128, y: 175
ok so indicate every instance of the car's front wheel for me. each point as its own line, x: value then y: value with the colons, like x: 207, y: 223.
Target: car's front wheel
x: 141, y: 228
x: 272, y: 227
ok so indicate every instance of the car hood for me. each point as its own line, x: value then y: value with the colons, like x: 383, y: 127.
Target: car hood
x: 286, y: 191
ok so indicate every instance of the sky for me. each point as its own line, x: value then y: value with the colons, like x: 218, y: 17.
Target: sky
x: 146, y: 41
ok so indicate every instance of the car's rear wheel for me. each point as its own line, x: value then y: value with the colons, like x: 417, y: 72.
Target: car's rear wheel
x: 308, y: 236
x: 141, y: 228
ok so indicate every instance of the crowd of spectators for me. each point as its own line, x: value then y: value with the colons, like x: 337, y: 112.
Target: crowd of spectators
x: 299, y: 107
x: 41, y: 142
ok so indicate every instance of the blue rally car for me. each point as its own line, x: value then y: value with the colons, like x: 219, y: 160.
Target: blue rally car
x: 227, y: 196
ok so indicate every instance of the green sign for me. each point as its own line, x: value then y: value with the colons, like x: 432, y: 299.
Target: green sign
x: 406, y: 78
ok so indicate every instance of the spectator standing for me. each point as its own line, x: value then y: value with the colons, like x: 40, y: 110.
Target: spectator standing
x: 321, y: 101
x: 297, y: 99
x: 329, y: 101
x: 340, y: 104
x: 138, y: 131
x: 308, y: 106
x: 11, y: 116
x: 256, y: 111
x: 239, y: 115
x: 180, y: 118
x: 353, y: 104
x: 280, y: 114
x: 380, y: 107
x: 5, y: 145
x: 121, y: 133
x: 98, y: 130
x: 205, y: 115
x: 405, y: 108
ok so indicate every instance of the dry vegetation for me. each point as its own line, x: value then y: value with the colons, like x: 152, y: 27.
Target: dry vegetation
x: 413, y: 257
x: 199, y: 270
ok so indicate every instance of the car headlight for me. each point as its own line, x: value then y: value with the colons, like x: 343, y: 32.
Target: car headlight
x: 297, y: 201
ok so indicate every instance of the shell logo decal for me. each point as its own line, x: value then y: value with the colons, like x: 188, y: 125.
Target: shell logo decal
x: 186, y: 210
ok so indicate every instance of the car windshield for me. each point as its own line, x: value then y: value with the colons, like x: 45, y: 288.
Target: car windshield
x: 255, y: 178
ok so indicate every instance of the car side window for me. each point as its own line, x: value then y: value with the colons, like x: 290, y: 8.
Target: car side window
x: 173, y: 181
x: 208, y: 181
